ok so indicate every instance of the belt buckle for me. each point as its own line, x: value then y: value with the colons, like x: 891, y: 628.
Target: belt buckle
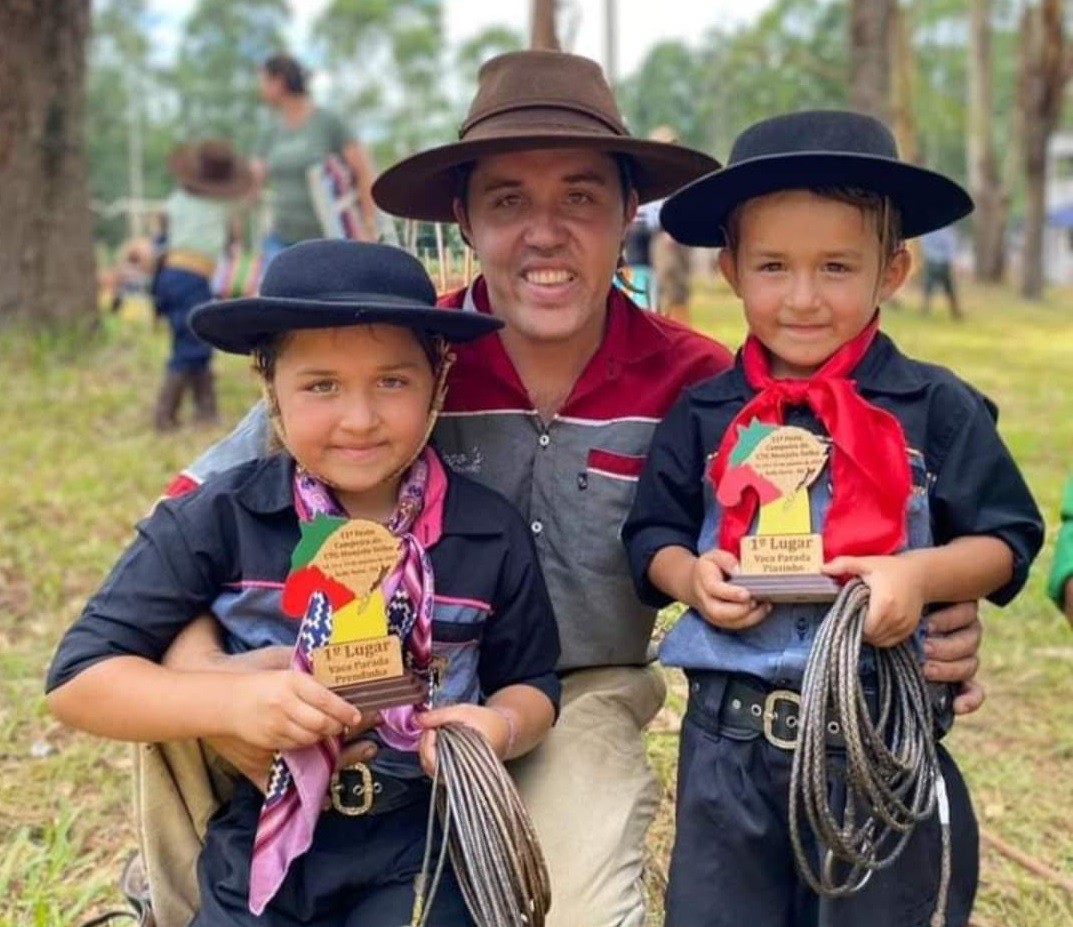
x: 365, y: 791
x: 770, y: 701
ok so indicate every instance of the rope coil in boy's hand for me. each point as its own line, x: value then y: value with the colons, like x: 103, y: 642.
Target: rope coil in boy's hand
x: 493, y: 846
x: 892, y: 779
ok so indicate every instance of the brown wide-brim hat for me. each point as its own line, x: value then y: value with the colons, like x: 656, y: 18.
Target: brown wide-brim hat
x: 527, y: 101
x: 211, y: 168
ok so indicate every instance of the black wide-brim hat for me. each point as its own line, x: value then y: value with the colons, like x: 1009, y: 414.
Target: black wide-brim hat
x: 813, y: 149
x: 531, y: 101
x: 331, y: 283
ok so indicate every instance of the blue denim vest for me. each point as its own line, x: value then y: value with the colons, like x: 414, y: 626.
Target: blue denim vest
x: 777, y: 649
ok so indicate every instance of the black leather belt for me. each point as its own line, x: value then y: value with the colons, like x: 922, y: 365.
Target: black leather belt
x: 358, y: 789
x: 749, y: 708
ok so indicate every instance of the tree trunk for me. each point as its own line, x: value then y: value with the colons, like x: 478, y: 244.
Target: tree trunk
x: 871, y: 22
x: 542, y: 33
x: 903, y: 67
x: 992, y: 198
x: 1045, y: 70
x: 46, y: 247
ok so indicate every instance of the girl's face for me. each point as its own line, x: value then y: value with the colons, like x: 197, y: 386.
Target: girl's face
x: 354, y: 405
x: 810, y: 274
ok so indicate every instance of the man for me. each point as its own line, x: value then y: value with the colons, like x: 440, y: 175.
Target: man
x: 940, y: 248
x: 556, y: 413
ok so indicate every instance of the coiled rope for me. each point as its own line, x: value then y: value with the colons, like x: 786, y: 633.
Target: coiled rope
x: 891, y: 771
x: 487, y: 831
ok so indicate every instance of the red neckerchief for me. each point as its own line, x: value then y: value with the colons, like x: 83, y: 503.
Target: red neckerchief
x: 869, y: 466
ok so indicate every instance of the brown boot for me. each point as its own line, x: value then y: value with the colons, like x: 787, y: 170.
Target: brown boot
x: 166, y: 411
x: 205, y: 397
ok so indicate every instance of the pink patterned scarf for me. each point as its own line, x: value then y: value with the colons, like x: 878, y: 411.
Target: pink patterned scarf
x: 299, y: 779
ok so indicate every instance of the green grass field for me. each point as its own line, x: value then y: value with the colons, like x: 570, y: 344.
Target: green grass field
x: 81, y: 464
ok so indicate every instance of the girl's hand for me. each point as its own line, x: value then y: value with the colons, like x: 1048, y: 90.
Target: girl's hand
x: 285, y: 709
x: 897, y: 599
x: 492, y: 724
x: 720, y: 603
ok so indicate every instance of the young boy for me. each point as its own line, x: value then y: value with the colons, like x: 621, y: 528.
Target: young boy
x: 918, y: 497
x: 352, y: 354
x: 210, y: 177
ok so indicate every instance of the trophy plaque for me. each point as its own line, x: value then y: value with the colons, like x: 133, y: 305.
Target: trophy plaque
x: 781, y: 560
x: 362, y: 661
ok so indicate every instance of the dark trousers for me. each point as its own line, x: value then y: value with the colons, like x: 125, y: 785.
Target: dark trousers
x: 732, y: 862
x: 359, y: 871
x: 175, y: 293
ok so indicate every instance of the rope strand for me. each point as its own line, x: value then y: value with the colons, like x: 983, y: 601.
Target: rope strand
x: 891, y: 773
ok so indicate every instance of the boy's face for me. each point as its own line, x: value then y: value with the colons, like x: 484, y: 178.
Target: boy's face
x: 548, y: 228
x: 354, y: 403
x: 810, y: 274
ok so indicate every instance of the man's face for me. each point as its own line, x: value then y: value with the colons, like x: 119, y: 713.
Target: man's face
x: 547, y: 227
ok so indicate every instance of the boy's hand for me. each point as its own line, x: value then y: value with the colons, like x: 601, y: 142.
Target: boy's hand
x: 491, y: 724
x: 286, y: 709
x: 896, y: 602
x: 720, y: 603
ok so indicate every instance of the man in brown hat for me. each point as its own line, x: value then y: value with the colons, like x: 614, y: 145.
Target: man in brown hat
x: 556, y: 412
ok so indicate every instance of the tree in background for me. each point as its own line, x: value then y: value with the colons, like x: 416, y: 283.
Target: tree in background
x: 663, y: 91
x: 387, y: 61
x: 46, y: 249
x: 1046, y: 65
x: 542, y: 33
x: 216, y: 75
x: 991, y: 195
x: 129, y: 117
x: 870, y: 29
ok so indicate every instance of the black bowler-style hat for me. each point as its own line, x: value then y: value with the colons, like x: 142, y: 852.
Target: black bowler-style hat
x: 330, y: 283
x: 815, y: 148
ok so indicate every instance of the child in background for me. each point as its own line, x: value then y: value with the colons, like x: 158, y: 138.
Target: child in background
x: 353, y: 357
x: 210, y: 176
x: 919, y: 497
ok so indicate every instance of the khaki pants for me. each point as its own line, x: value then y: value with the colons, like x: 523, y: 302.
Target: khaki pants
x: 587, y: 786
x: 592, y: 795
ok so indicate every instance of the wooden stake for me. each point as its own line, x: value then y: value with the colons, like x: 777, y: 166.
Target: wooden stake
x: 1030, y: 863
x: 468, y: 265
x: 442, y: 256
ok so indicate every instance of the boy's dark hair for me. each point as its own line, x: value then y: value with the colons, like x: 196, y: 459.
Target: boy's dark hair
x: 877, y: 207
x: 288, y: 69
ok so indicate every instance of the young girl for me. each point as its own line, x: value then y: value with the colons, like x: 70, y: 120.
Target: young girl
x: 352, y: 354
x: 919, y: 497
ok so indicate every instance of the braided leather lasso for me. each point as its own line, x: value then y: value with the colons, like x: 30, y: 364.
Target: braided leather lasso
x: 892, y: 779
x: 487, y: 831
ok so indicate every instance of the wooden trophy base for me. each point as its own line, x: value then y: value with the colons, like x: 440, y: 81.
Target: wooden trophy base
x: 788, y: 587
x: 406, y: 689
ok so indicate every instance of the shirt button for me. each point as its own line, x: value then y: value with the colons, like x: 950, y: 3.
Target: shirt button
x: 536, y: 527
x: 544, y: 440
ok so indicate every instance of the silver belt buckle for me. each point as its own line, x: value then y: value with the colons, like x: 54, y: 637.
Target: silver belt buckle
x: 366, y: 791
x: 770, y: 702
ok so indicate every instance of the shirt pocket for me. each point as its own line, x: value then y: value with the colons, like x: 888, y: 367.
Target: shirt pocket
x: 608, y: 486
x: 457, y: 631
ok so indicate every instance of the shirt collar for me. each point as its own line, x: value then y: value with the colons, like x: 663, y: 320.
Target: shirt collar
x: 269, y: 490
x: 883, y: 371
x: 630, y: 337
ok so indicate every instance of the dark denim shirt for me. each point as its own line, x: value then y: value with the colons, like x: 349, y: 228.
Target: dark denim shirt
x: 226, y: 548
x: 965, y: 482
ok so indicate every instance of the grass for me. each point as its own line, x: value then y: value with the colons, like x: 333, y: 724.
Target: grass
x: 81, y: 464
